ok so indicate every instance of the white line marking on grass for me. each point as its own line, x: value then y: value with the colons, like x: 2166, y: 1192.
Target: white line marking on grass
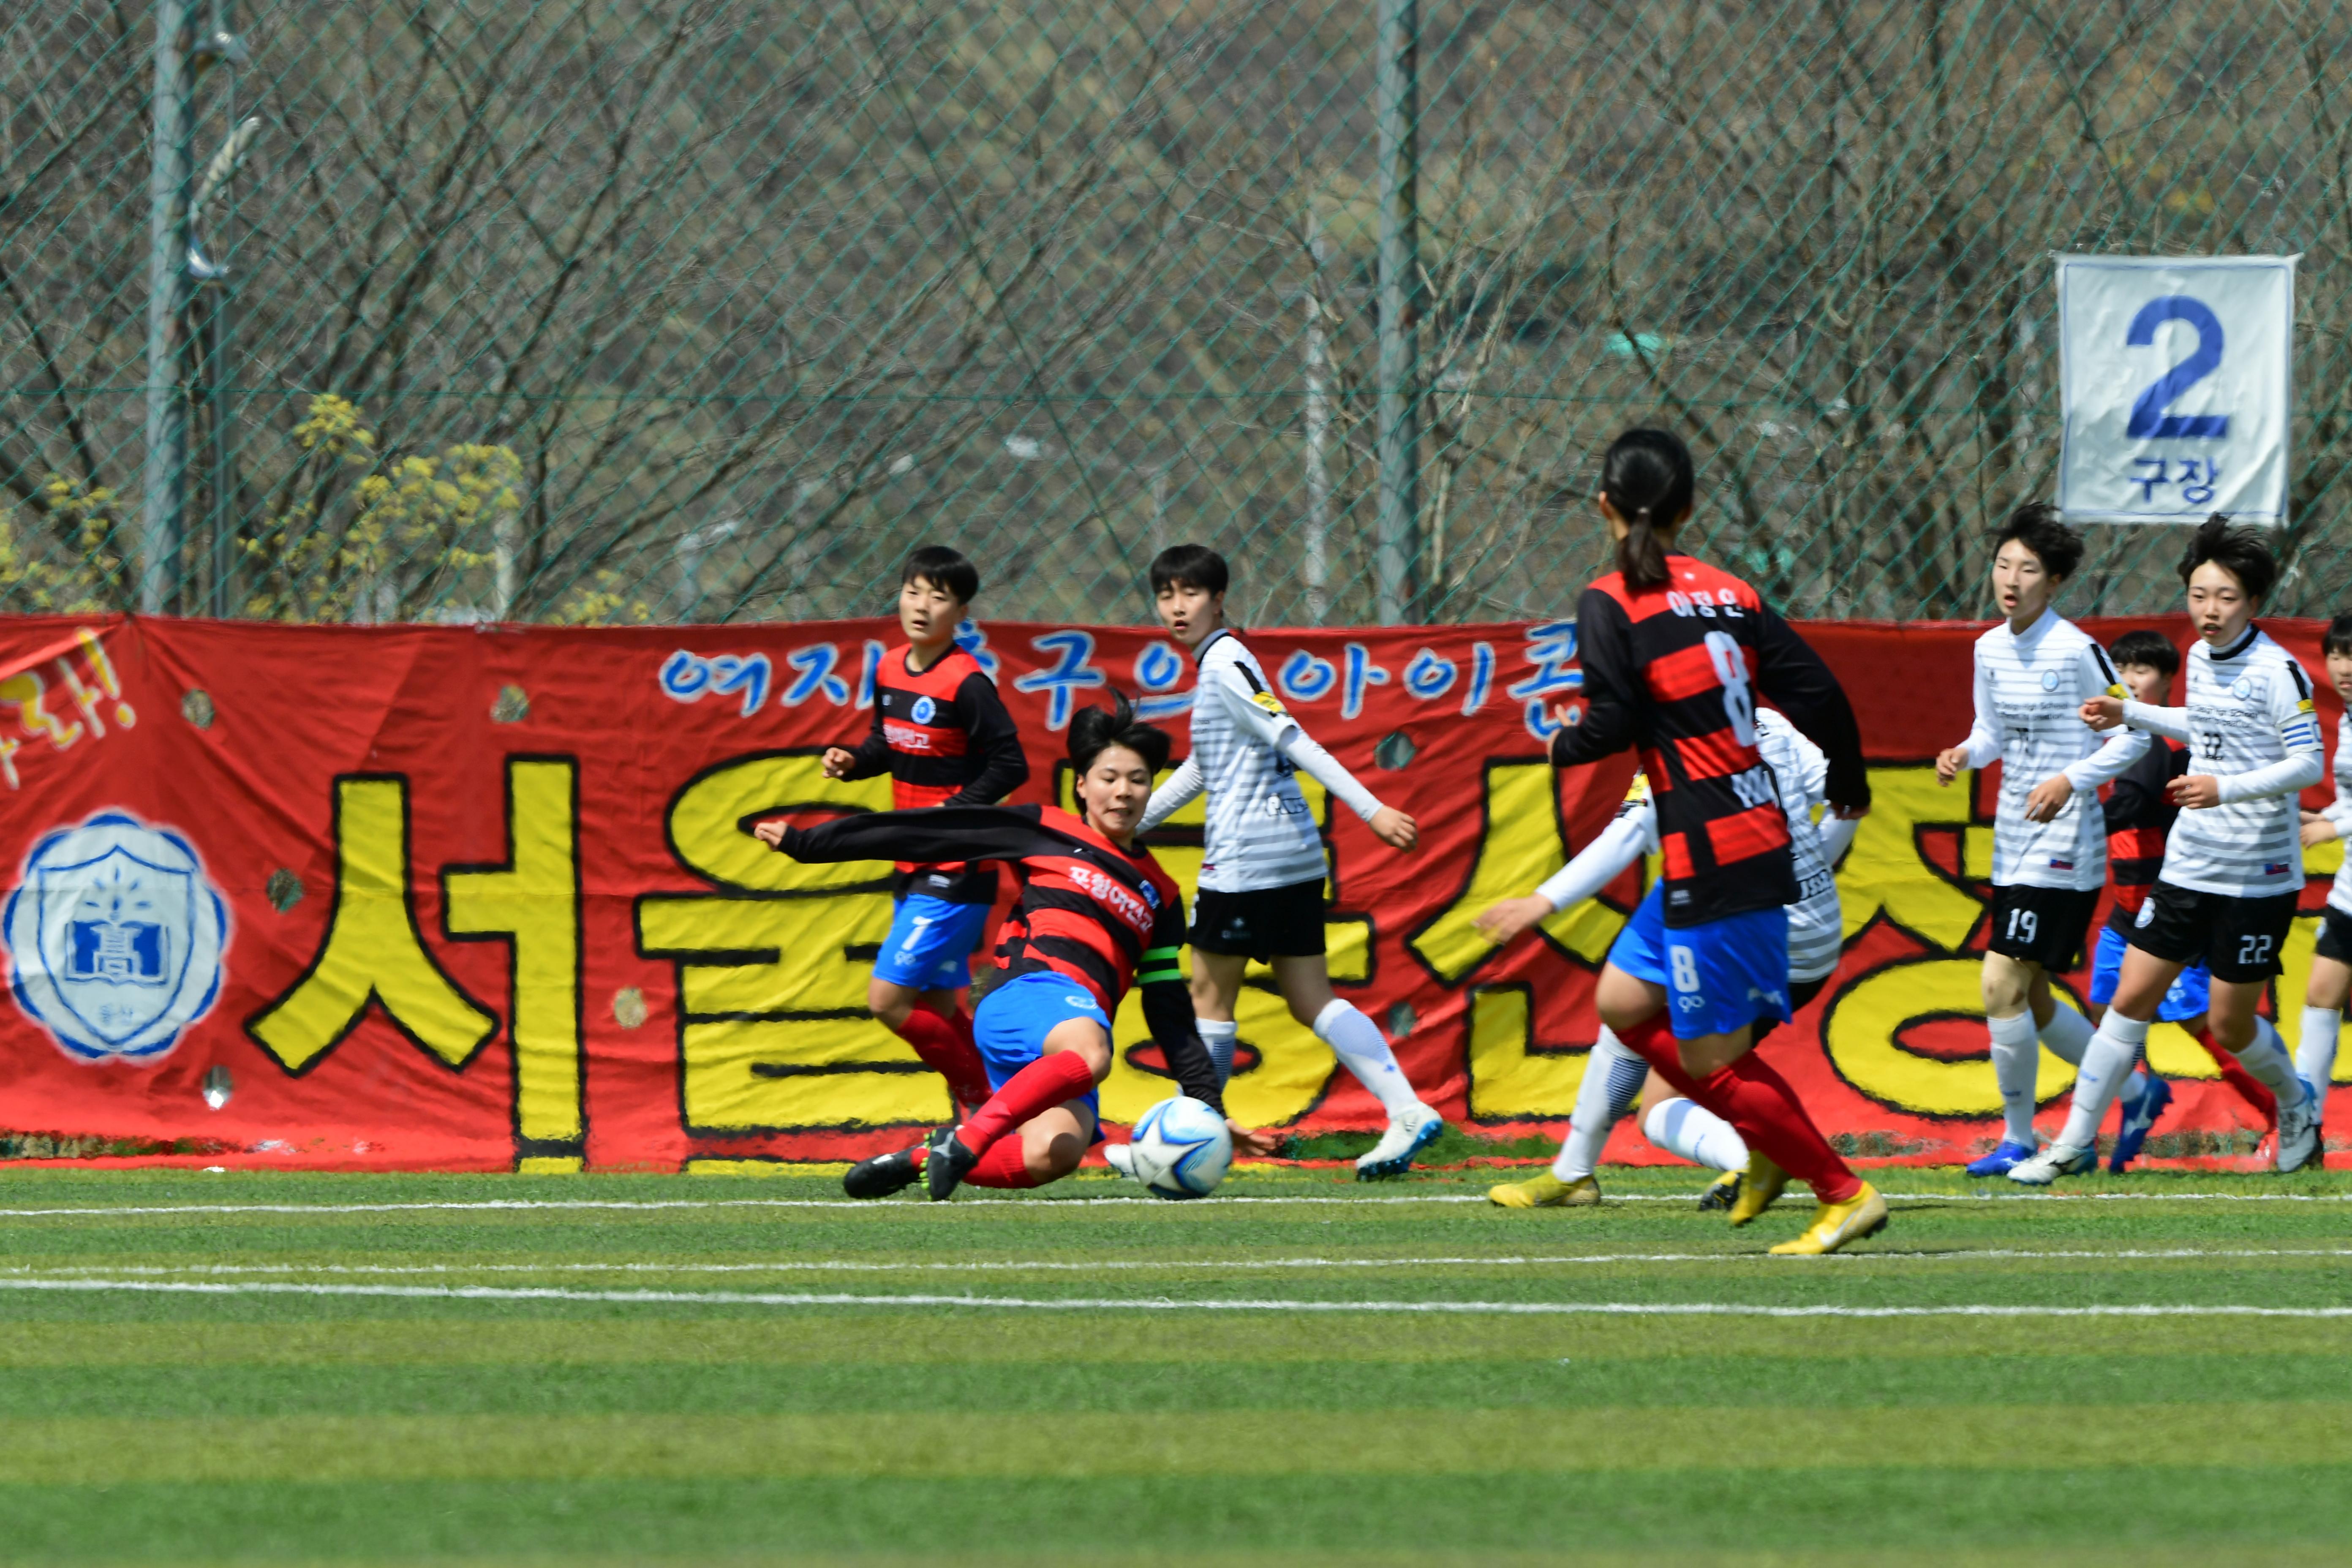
x: 1035, y: 1205
x: 1109, y: 1304
x: 1122, y: 1266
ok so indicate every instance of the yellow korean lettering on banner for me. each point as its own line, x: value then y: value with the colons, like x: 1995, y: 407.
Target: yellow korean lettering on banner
x: 1520, y: 843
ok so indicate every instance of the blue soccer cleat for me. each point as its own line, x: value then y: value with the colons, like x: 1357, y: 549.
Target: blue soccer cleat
x: 2002, y: 1160
x: 2139, y: 1115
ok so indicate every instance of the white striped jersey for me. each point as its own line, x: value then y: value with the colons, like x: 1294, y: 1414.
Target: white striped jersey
x: 2030, y: 691
x: 2249, y: 724
x: 2339, y: 811
x: 1260, y: 833
x: 1799, y: 772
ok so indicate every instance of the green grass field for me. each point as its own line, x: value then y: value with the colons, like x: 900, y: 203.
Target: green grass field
x: 199, y: 1368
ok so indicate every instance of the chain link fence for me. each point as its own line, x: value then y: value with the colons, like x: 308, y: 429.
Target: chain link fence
x: 708, y: 309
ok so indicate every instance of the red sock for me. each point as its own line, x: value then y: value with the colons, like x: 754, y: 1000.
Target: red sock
x: 2233, y: 1072
x: 1039, y: 1087
x: 946, y: 1047
x: 1006, y: 1165
x: 1757, y: 1101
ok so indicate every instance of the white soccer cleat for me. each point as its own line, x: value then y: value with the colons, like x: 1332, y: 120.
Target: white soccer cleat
x: 1120, y: 1157
x: 2053, y: 1163
x: 2298, y: 1133
x: 1407, y: 1136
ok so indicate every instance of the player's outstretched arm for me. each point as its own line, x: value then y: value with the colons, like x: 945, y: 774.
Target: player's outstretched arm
x: 1609, y: 855
x: 1800, y: 686
x: 1260, y: 714
x: 928, y: 834
x: 1003, y: 767
x: 1182, y: 788
x: 2104, y: 712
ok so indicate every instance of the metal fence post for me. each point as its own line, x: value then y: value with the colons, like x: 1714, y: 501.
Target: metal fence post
x: 1397, y: 429
x: 163, y: 516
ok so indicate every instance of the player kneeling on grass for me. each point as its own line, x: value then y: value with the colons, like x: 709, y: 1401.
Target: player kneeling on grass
x: 1096, y: 914
x: 1674, y: 653
x: 2049, y: 837
x: 2331, y: 964
x: 2233, y: 864
x: 1612, y: 1074
x: 1261, y: 865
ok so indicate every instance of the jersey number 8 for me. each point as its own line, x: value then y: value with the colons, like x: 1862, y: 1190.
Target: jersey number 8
x: 1731, y: 669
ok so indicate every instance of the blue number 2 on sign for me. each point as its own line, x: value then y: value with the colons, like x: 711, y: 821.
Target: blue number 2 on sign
x: 2148, y: 417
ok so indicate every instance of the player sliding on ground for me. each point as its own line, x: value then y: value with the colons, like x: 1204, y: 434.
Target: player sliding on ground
x: 1613, y: 1073
x: 943, y: 735
x: 2331, y: 963
x: 2233, y: 864
x: 2049, y: 837
x: 1097, y: 915
x: 1674, y: 652
x: 1262, y: 867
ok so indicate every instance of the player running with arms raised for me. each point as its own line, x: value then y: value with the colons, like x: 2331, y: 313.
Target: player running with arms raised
x: 1097, y: 915
x: 1613, y: 1073
x: 942, y: 734
x: 2233, y: 864
x: 2033, y: 674
x: 1263, y: 865
x: 2330, y: 985
x: 1674, y: 652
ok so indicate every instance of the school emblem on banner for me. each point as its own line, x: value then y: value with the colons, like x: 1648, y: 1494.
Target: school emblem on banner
x: 115, y: 938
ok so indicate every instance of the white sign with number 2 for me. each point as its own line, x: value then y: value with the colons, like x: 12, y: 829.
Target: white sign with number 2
x: 2174, y: 372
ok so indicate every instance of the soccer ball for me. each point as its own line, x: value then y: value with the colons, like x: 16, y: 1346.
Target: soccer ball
x: 1180, y: 1148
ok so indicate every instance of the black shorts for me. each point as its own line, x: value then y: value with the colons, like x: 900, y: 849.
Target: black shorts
x: 2041, y: 925
x: 2239, y: 939
x: 2335, y: 935
x: 1800, y: 991
x: 1263, y: 923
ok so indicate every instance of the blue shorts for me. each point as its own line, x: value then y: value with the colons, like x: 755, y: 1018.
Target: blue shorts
x: 1011, y: 1022
x: 2191, y: 992
x: 1718, y: 977
x: 931, y: 942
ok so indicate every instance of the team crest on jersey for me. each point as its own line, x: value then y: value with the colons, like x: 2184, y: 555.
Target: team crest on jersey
x: 115, y: 937
x: 2049, y: 680
x: 2243, y: 689
x: 1151, y: 896
x: 923, y: 710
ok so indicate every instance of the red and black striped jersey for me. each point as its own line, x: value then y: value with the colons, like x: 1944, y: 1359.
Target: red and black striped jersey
x: 946, y: 740
x: 2140, y: 817
x: 1673, y: 672
x: 1103, y: 917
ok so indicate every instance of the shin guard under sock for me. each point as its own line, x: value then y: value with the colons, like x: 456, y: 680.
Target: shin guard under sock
x: 1044, y: 1084
x: 1612, y: 1077
x: 945, y: 1046
x: 2264, y: 1103
x: 1760, y: 1104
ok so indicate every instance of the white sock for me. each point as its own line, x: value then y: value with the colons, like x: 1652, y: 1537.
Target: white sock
x: 2016, y: 1058
x: 2108, y: 1064
x: 1612, y: 1079
x: 2314, y: 1060
x: 1695, y: 1133
x: 1219, y: 1039
x: 1360, y: 1046
x: 2266, y: 1056
x: 2067, y: 1034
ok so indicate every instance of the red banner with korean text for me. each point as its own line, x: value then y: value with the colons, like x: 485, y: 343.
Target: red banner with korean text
x: 484, y: 898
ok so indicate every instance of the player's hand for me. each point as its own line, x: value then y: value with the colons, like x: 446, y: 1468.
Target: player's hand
x: 1507, y: 919
x: 771, y: 834
x: 1949, y: 762
x: 2103, y: 712
x: 838, y: 760
x: 2317, y: 830
x: 1256, y: 1145
x: 2195, y: 792
x: 2049, y: 799
x: 1394, y: 828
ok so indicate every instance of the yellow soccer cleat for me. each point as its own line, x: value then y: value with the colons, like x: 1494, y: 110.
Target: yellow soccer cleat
x: 1760, y: 1188
x: 1721, y: 1192
x: 1546, y: 1192
x: 1834, y: 1225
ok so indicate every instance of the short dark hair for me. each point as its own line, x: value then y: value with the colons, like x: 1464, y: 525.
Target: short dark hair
x: 2242, y: 552
x: 2142, y: 647
x: 1189, y: 566
x: 2338, y: 637
x: 1094, y: 731
x: 943, y: 568
x: 1648, y: 479
x: 2040, y: 528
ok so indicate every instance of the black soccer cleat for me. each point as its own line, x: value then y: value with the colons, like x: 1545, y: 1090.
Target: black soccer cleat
x: 883, y: 1174
x: 946, y: 1161
x: 1721, y: 1192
